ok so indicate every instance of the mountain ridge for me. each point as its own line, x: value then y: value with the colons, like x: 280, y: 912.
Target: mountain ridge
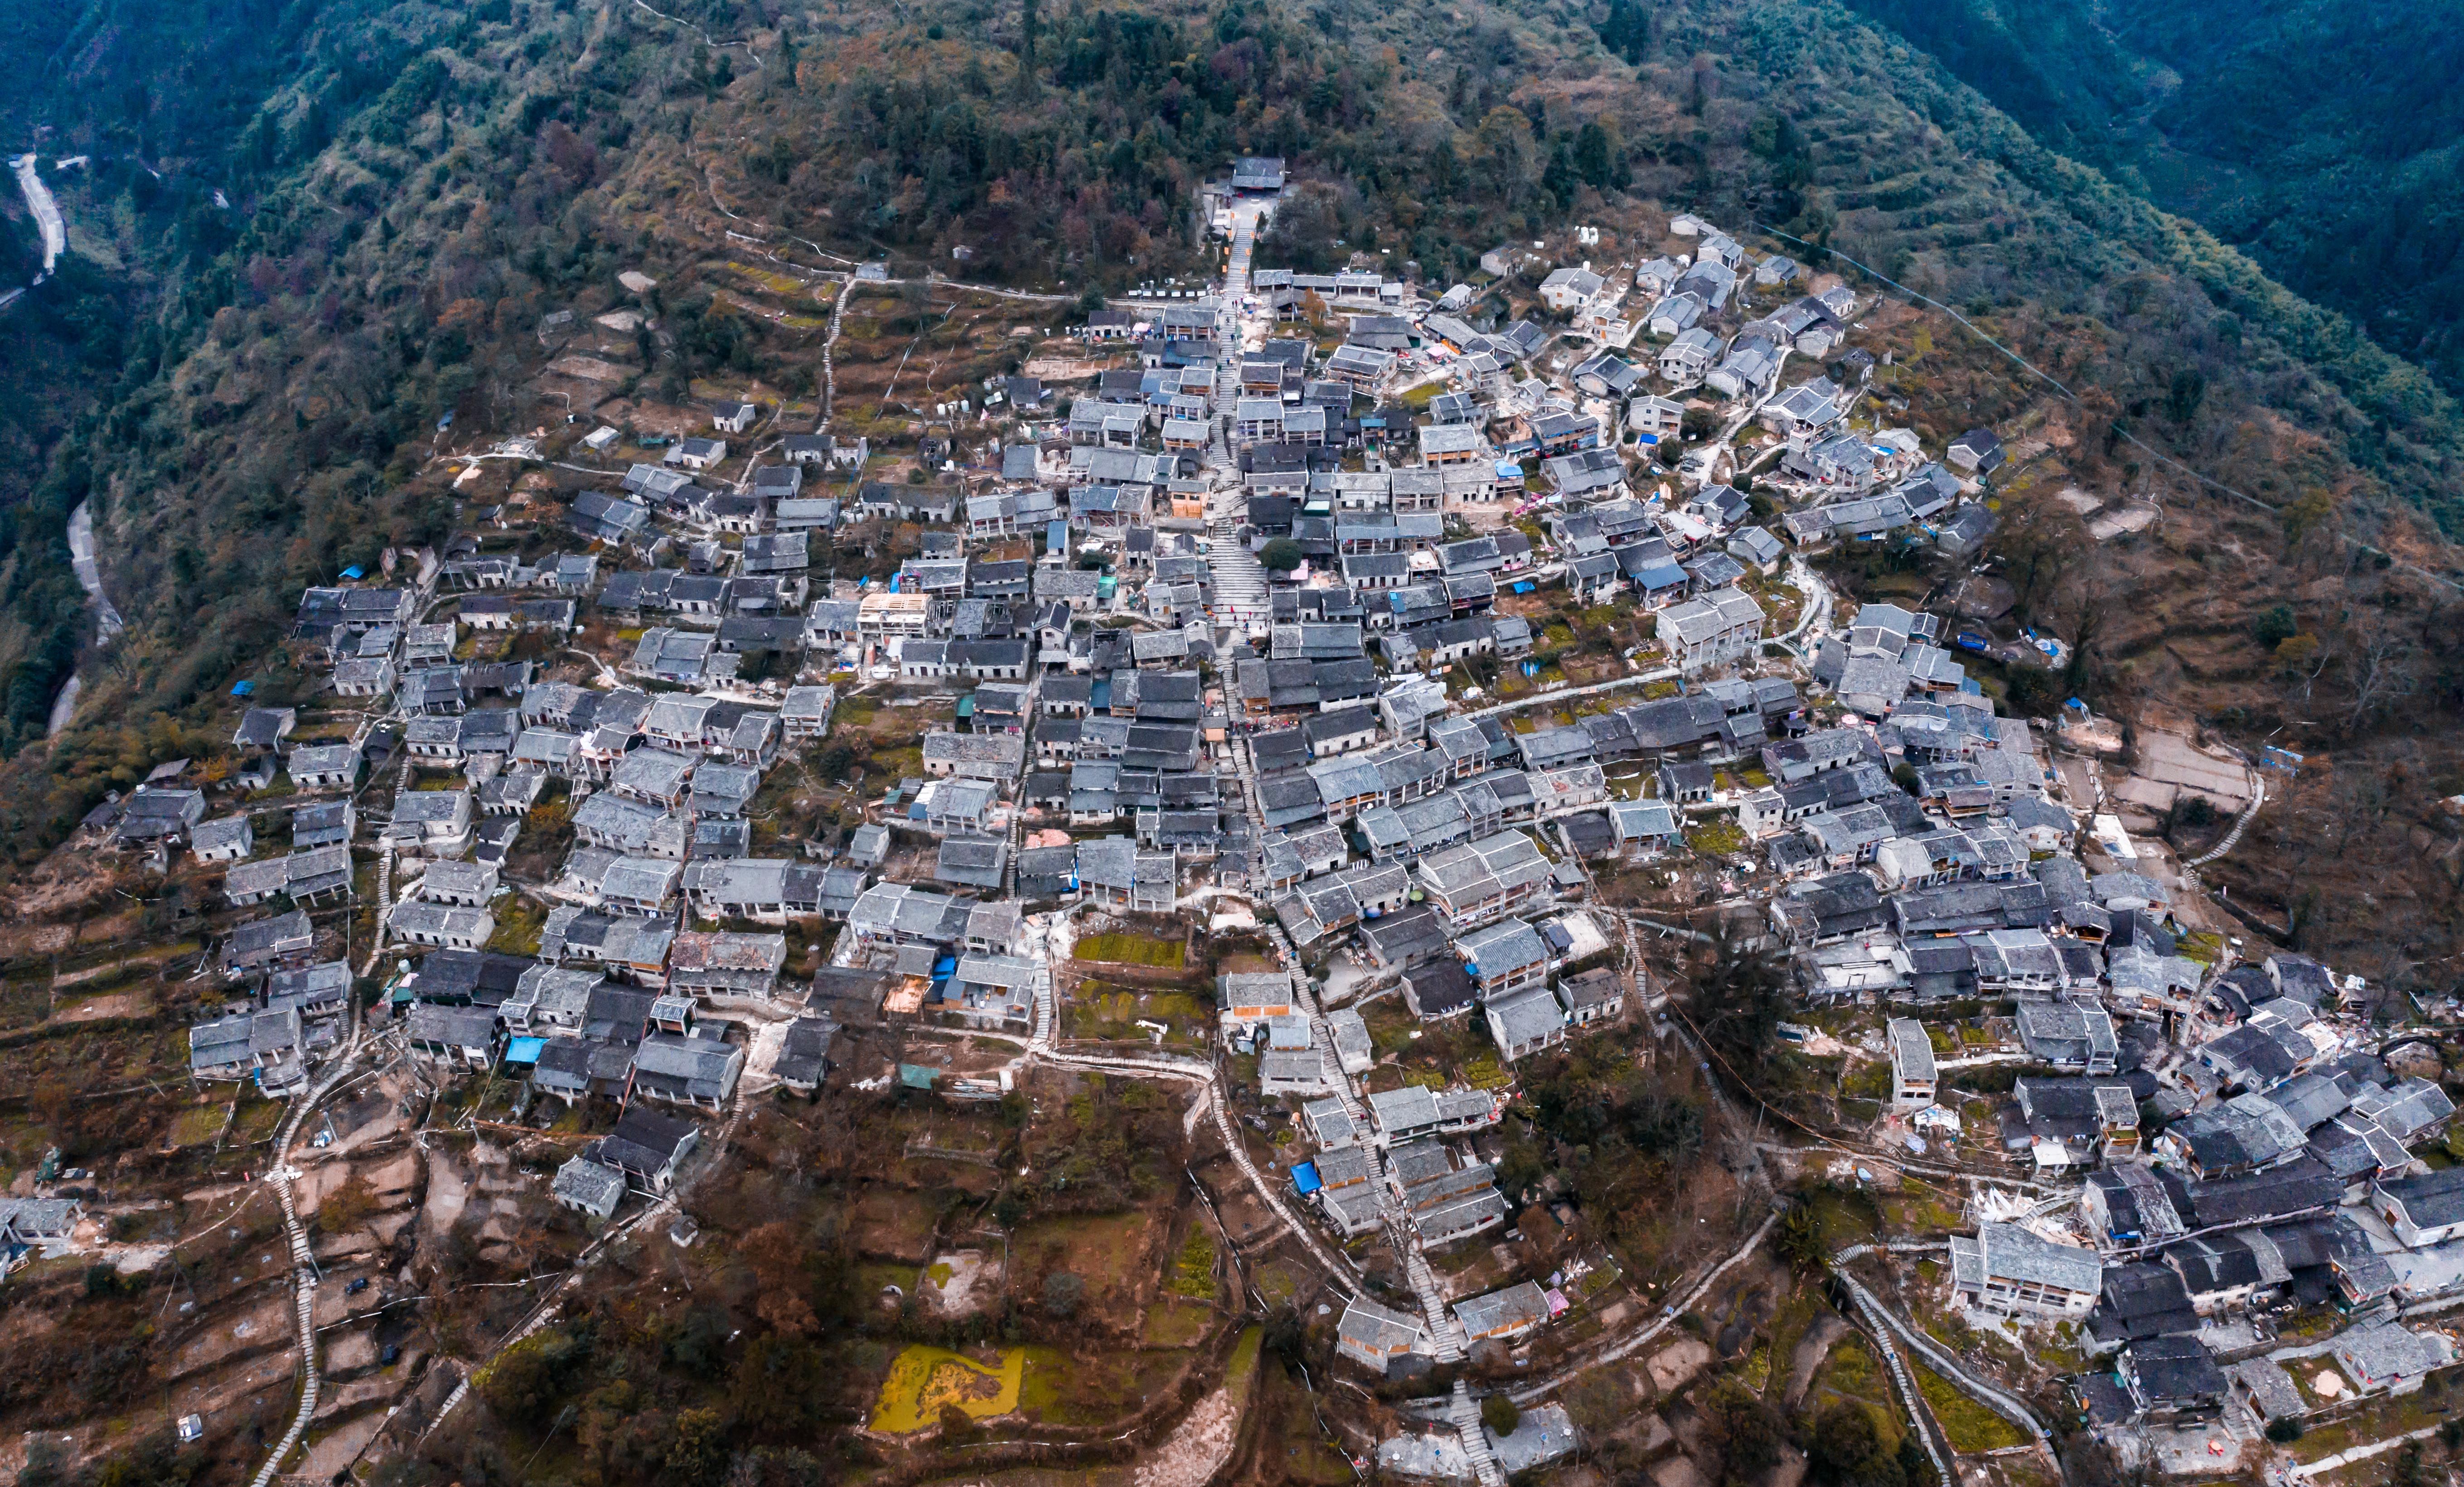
x: 2321, y: 141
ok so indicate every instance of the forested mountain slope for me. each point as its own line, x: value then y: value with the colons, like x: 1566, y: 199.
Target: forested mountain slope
x: 412, y: 188
x: 2322, y: 139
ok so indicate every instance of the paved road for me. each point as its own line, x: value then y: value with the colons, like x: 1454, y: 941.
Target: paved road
x: 2362, y: 1452
x: 107, y: 621
x: 1569, y: 694
x: 1815, y: 619
x: 46, y: 210
x: 64, y: 705
x: 88, y: 573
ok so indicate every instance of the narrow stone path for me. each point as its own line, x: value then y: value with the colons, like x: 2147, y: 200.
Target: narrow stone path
x: 304, y: 1277
x: 2233, y: 837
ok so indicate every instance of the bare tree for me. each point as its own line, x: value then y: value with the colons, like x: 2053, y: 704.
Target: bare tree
x: 2091, y: 604
x: 2361, y: 804
x: 2379, y: 666
x: 2039, y: 543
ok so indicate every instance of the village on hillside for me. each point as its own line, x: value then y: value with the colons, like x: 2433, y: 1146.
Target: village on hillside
x: 1333, y: 701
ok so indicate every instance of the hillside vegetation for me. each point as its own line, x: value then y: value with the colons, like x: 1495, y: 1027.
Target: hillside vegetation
x: 2320, y: 139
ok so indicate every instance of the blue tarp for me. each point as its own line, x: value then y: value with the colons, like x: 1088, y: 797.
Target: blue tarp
x: 1305, y: 1178
x: 525, y: 1050
x: 355, y: 571
x: 242, y: 688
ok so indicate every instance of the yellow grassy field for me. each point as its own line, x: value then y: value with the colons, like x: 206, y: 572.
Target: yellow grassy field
x: 922, y: 1380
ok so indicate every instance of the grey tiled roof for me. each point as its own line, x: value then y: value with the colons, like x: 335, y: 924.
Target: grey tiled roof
x: 2012, y: 1253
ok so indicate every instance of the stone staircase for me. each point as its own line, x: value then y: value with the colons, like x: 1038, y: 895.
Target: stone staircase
x: 1044, y: 1005
x: 1465, y: 1416
x: 1882, y: 1336
x: 385, y: 906
x: 1239, y: 582
x: 1445, y: 1332
x: 1228, y: 396
x: 308, y: 1389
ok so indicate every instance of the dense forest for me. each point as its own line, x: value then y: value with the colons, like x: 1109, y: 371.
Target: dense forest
x: 2322, y: 139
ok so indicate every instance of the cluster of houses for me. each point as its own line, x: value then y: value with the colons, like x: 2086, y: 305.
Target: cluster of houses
x: 1141, y: 703
x: 616, y: 1003
x: 1127, y: 723
x: 1920, y: 854
x: 2166, y: 1267
x: 2282, y: 1176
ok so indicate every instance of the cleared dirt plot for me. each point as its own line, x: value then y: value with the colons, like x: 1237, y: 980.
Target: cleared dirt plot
x: 892, y: 1225
x: 2168, y: 765
x: 1112, y: 1258
x: 959, y: 1281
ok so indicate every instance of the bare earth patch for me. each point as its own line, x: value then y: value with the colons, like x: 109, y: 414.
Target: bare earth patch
x: 1195, y: 1450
